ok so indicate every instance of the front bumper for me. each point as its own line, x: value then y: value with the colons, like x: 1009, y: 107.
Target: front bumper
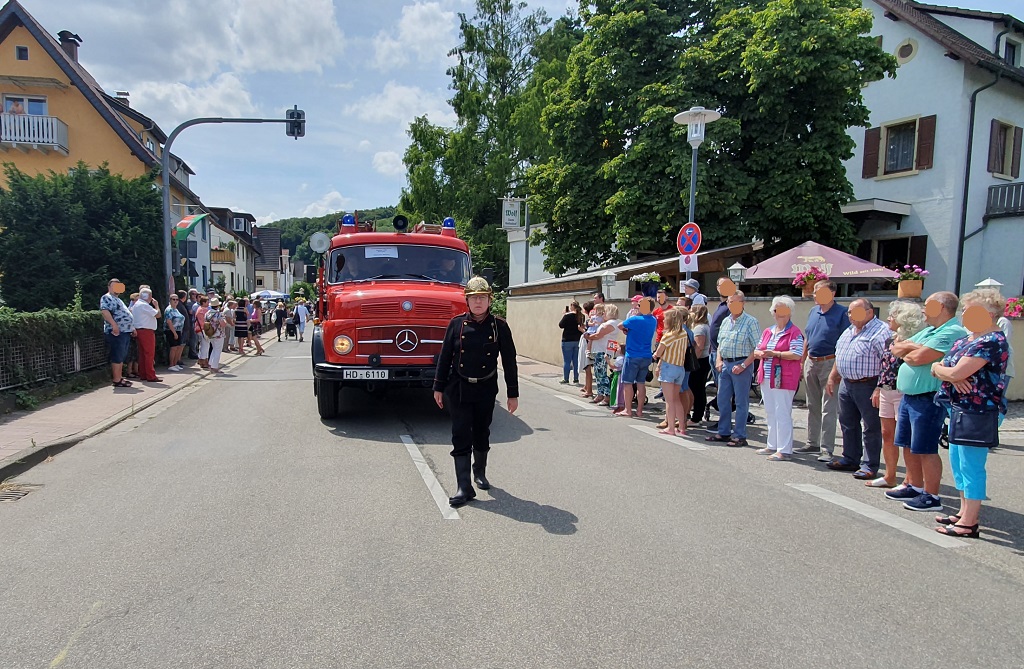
x: 398, y: 377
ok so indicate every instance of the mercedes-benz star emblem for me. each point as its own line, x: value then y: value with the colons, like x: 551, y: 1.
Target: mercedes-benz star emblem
x: 406, y: 341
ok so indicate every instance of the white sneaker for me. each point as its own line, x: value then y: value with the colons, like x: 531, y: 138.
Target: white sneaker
x: 176, y: 368
x: 825, y: 457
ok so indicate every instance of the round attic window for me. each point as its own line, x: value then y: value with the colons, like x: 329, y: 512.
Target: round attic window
x: 906, y: 51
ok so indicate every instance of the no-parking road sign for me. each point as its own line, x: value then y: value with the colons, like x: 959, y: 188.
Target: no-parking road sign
x: 688, y: 240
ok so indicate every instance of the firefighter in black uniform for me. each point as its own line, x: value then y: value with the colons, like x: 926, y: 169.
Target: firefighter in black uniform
x: 467, y: 384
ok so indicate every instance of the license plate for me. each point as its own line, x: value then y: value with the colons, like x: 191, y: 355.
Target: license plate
x: 374, y: 374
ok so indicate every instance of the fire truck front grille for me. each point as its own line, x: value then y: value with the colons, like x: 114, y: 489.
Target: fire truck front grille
x: 391, y: 308
x: 432, y: 309
x: 400, y: 341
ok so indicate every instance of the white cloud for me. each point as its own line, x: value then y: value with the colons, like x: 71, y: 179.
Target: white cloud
x: 401, y: 104
x: 328, y: 204
x: 365, y: 145
x: 424, y: 31
x: 224, y: 96
x: 269, y: 218
x: 388, y: 163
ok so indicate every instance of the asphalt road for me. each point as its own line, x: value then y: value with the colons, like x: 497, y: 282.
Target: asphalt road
x: 230, y: 527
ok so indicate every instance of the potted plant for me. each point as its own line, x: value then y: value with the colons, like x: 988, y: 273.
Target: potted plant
x: 1014, y: 308
x: 805, y: 280
x: 649, y: 283
x: 910, y: 282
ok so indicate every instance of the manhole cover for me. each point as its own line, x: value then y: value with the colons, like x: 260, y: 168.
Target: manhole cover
x: 590, y: 413
x: 544, y: 375
x: 14, y: 491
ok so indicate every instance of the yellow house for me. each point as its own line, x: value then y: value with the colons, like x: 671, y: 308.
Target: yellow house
x: 54, y: 114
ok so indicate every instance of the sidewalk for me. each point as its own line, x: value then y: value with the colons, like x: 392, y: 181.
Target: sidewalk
x: 29, y: 436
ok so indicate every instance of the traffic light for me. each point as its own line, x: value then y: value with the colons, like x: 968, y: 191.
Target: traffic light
x: 296, y: 122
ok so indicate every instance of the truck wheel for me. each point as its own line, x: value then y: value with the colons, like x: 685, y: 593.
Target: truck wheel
x: 326, y: 398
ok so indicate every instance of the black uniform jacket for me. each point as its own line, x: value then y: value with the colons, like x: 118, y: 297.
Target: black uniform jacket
x: 469, y: 357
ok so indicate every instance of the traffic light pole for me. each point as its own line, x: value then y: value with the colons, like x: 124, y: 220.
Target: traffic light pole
x: 165, y: 175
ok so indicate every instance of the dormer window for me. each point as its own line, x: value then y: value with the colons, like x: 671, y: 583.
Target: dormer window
x: 1011, y: 53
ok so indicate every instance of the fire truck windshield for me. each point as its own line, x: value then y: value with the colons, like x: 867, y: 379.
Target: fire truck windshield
x: 401, y: 262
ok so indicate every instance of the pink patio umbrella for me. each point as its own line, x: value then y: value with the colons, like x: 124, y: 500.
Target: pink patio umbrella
x: 840, y: 267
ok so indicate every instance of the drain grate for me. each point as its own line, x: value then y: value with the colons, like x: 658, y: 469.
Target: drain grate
x: 15, y: 491
x: 590, y: 413
x: 544, y: 375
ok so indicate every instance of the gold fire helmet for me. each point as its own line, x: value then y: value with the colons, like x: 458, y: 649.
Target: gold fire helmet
x: 478, y: 286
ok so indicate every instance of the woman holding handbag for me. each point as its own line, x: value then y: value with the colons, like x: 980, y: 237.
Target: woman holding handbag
x: 780, y: 351
x: 973, y: 376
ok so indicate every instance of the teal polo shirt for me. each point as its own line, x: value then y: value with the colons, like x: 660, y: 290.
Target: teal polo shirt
x: 911, y: 380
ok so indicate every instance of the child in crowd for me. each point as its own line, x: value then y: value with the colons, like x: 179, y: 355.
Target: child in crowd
x: 670, y: 368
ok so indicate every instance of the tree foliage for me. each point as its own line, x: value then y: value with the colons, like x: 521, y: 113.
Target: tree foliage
x: 295, y: 232
x: 59, y: 230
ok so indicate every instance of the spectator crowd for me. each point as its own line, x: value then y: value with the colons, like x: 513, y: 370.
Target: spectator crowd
x: 199, y: 327
x: 891, y: 385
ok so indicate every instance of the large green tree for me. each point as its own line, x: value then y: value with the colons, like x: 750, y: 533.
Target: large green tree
x: 786, y: 75
x: 83, y: 227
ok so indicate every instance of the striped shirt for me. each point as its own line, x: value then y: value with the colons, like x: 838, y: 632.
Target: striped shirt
x: 796, y: 345
x: 859, y: 353
x: 738, y: 337
x: 675, y: 348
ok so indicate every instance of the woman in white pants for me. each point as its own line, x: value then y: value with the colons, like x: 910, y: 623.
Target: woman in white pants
x: 215, y: 317
x: 780, y: 353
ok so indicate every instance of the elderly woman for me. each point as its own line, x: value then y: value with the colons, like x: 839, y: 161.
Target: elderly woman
x: 280, y: 314
x: 174, y: 326
x: 780, y: 351
x: 973, y: 376
x: 602, y: 353
x: 905, y: 320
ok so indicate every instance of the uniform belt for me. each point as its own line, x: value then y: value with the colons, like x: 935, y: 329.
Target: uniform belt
x: 734, y: 359
x: 479, y: 378
x: 824, y: 357
x: 866, y: 379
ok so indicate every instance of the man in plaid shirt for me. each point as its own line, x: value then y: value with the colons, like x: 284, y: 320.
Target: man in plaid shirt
x: 734, y: 359
x: 855, y: 373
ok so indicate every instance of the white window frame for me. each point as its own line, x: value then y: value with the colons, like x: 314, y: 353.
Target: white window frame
x: 24, y: 99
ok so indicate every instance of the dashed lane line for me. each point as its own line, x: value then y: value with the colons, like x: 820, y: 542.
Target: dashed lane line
x: 884, y: 517
x: 433, y: 485
x: 685, y: 442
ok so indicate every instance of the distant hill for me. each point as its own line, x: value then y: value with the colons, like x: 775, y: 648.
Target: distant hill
x: 295, y: 232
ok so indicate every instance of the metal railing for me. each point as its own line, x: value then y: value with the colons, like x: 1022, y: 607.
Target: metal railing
x: 24, y: 365
x: 1005, y: 200
x: 34, y: 130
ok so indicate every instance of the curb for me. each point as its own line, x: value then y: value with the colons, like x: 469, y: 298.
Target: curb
x: 28, y: 458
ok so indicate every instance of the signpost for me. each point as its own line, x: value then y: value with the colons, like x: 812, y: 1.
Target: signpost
x: 510, y: 207
x: 688, y: 242
x: 510, y: 213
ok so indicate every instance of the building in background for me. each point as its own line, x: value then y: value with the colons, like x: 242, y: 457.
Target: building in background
x: 273, y: 262
x: 937, y: 175
x: 233, y: 253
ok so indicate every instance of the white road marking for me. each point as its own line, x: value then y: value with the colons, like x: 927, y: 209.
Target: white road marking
x: 295, y: 357
x: 581, y: 403
x: 884, y: 517
x: 433, y: 485
x: 681, y: 441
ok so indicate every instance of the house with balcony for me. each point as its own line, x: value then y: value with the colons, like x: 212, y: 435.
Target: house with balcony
x: 53, y: 114
x: 937, y: 174
x: 233, y: 253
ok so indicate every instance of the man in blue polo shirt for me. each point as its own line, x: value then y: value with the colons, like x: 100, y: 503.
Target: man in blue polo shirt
x: 919, y: 422
x: 826, y: 322
x: 639, y: 331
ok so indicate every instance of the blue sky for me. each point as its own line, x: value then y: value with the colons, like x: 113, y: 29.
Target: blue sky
x: 360, y: 70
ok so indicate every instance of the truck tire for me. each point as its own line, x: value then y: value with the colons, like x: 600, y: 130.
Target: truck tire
x: 326, y: 398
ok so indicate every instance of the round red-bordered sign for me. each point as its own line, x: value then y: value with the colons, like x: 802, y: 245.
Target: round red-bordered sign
x: 688, y: 239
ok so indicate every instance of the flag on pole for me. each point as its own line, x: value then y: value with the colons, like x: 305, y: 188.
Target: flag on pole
x: 185, y: 226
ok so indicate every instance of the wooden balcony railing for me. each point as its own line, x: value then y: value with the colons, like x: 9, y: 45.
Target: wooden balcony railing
x: 29, y: 131
x: 1005, y: 200
x: 222, y: 255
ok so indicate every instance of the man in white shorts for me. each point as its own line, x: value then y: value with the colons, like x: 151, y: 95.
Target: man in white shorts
x: 301, y: 314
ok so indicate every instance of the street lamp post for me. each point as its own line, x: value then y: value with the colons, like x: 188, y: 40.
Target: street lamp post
x: 696, y: 120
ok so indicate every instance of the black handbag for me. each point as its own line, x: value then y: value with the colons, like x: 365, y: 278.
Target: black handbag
x: 978, y: 428
x: 692, y: 362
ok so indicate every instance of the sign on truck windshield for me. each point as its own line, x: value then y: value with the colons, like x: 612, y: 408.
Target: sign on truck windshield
x: 405, y: 262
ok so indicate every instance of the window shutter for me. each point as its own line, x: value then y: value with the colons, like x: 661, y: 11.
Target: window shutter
x: 925, y: 142
x: 994, y: 150
x: 918, y: 250
x: 872, y: 139
x: 1018, y: 135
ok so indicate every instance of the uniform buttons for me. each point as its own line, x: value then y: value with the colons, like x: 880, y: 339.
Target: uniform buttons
x: 461, y: 365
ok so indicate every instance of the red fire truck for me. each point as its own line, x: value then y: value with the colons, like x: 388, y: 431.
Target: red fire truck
x: 385, y: 300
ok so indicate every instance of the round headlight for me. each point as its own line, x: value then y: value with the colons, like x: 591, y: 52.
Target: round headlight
x: 342, y: 345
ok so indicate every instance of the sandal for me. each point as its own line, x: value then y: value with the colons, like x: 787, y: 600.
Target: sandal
x: 718, y: 437
x: 880, y: 482
x: 123, y: 383
x: 972, y: 531
x: 951, y: 519
x: 778, y: 457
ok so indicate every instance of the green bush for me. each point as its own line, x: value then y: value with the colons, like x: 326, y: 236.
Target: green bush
x: 41, y: 330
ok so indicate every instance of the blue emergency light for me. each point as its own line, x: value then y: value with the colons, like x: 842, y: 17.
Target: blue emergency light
x: 448, y: 227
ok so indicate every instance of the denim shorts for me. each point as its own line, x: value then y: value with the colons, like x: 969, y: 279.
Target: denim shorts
x: 670, y: 373
x: 919, y: 424
x: 634, y: 370
x: 118, y: 346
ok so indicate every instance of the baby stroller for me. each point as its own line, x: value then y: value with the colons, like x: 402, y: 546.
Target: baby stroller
x: 291, y: 328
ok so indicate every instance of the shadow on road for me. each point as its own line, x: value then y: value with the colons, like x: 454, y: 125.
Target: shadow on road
x: 551, y: 518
